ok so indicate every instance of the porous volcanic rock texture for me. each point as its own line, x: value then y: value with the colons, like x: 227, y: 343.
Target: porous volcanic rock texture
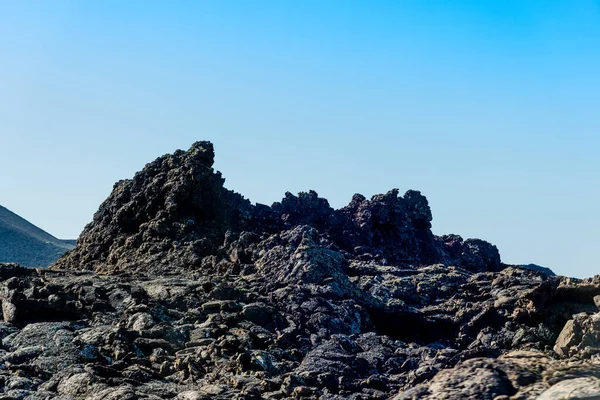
x: 181, y: 289
x: 175, y: 213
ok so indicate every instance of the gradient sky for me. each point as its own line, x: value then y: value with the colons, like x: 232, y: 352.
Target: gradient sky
x: 490, y: 108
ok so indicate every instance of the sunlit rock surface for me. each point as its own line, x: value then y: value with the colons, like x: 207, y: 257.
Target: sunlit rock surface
x: 182, y: 289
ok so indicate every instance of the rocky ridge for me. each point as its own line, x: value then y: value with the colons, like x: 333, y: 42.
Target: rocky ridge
x: 26, y: 244
x: 182, y: 289
x: 176, y: 215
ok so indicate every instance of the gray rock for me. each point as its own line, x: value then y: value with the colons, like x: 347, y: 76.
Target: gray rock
x: 587, y: 388
x: 569, y: 337
x: 180, y: 288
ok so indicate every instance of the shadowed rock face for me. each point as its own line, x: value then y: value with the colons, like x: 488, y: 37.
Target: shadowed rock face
x: 181, y: 289
x: 171, y: 213
x: 176, y: 212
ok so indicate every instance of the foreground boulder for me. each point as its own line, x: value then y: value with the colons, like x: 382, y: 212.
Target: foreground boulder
x: 181, y: 289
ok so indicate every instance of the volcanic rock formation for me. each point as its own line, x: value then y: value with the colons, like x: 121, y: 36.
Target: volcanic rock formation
x: 175, y: 213
x: 182, y: 289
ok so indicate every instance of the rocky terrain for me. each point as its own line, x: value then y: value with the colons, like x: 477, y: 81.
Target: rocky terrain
x: 181, y: 289
x: 26, y: 244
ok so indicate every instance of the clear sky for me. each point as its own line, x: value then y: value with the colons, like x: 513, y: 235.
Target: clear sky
x: 490, y: 108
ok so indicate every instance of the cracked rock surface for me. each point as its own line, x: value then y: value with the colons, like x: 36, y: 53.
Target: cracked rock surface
x: 181, y: 289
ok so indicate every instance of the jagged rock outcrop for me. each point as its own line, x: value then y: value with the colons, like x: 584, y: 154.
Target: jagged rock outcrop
x: 176, y: 212
x: 171, y: 214
x: 181, y: 289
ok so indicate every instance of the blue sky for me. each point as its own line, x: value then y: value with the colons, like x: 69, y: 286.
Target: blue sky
x: 490, y: 108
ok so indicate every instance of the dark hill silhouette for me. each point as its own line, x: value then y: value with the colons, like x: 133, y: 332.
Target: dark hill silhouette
x: 26, y: 244
x: 539, y: 268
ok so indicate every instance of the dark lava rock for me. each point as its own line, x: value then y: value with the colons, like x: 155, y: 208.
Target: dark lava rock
x: 176, y: 212
x: 181, y: 289
x: 171, y: 214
